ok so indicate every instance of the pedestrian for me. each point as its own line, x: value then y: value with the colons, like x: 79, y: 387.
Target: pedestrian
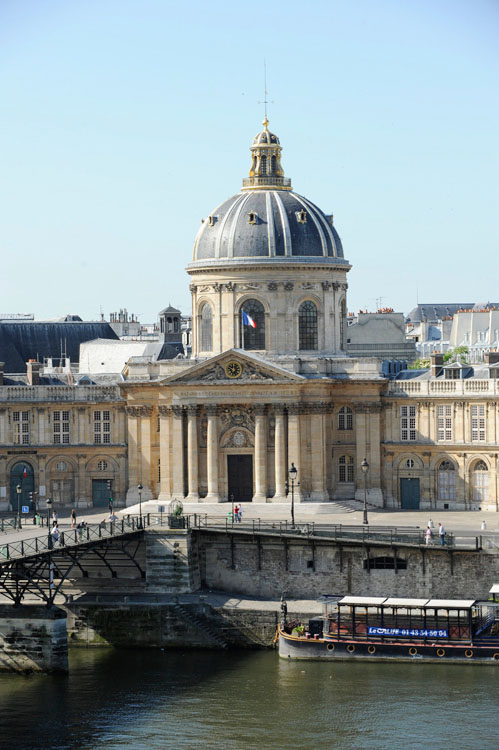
x: 54, y: 518
x: 428, y: 534
x: 430, y: 524
x: 240, y: 513
x: 110, y: 505
x: 73, y: 519
x: 55, y: 533
x: 484, y: 525
x: 441, y: 532
x: 230, y: 516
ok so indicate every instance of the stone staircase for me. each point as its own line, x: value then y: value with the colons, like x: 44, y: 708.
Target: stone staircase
x: 168, y: 568
x: 203, y: 625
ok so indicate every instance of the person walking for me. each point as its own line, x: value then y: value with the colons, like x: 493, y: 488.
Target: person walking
x: 73, y: 519
x: 441, y: 533
x: 54, y: 518
x: 430, y: 524
x: 55, y: 533
x: 428, y: 534
x: 240, y: 513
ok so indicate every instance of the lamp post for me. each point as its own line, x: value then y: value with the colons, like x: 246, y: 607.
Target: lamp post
x: 292, y: 475
x: 140, y: 504
x: 48, y: 503
x: 18, y: 519
x: 232, y: 503
x: 365, y: 468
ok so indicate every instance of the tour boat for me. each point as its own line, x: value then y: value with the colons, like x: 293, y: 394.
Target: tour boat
x: 396, y: 629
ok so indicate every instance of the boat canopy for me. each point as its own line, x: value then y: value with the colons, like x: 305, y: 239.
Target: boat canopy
x: 494, y: 589
x: 380, y: 601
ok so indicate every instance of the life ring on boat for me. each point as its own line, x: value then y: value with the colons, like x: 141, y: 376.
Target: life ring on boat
x: 350, y: 648
x: 371, y: 649
x: 495, y: 657
x: 440, y: 652
x: 330, y: 646
x: 413, y: 651
x: 468, y: 653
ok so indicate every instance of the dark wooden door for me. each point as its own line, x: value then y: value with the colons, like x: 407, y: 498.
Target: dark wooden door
x: 22, y: 476
x: 409, y: 494
x: 240, y: 476
x: 101, y: 493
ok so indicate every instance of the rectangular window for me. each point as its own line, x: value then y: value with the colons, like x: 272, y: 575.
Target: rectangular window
x: 21, y: 427
x: 408, y: 423
x: 60, y: 420
x: 102, y: 427
x: 444, y: 423
x: 478, y: 423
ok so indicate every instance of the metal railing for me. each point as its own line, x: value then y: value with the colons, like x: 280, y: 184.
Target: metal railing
x: 8, y: 524
x: 72, y: 537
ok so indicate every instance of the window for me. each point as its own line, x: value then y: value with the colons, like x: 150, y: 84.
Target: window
x: 345, y: 418
x: 102, y: 427
x: 408, y: 423
x: 159, y: 470
x: 102, y: 466
x: 253, y: 338
x: 345, y: 469
x: 478, y: 423
x: 206, y: 328
x: 385, y: 563
x: 263, y: 166
x: 307, y: 326
x: 61, y: 466
x: 480, y: 482
x: 301, y: 217
x: 446, y: 480
x: 444, y: 423
x: 21, y: 427
x: 252, y: 217
x: 60, y: 421
x: 409, y: 464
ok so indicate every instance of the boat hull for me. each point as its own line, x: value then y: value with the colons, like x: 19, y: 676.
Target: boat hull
x: 295, y: 647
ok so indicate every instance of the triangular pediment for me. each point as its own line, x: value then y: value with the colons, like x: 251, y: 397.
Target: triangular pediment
x: 234, y: 366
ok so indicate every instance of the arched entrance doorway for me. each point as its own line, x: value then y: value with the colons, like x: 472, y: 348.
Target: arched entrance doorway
x: 22, y: 475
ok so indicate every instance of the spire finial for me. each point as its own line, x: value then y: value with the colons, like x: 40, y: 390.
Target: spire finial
x: 265, y: 93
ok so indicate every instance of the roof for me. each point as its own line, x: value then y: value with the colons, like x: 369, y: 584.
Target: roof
x: 363, y: 600
x: 434, y: 311
x: 401, y: 602
x: 20, y: 341
x: 272, y: 224
x: 494, y: 589
x: 372, y: 601
x: 450, y: 603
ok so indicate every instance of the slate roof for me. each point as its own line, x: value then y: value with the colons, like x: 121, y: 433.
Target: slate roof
x: 21, y: 341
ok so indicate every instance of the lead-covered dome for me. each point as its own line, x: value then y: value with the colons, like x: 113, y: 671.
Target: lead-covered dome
x: 266, y: 219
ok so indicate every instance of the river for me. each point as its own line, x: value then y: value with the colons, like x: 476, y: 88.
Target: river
x: 245, y: 700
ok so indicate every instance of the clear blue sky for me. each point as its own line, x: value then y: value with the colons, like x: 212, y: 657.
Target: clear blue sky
x: 124, y: 122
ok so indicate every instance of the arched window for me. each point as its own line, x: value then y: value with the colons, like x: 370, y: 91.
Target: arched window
x: 307, y: 326
x: 345, y: 418
x: 206, y: 328
x: 446, y: 480
x: 273, y: 164
x: 345, y: 469
x: 263, y: 166
x: 480, y: 482
x: 253, y: 330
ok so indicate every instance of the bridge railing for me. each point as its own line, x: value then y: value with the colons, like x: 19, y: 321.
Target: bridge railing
x: 73, y: 537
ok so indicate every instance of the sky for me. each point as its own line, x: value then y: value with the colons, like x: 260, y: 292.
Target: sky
x: 124, y: 122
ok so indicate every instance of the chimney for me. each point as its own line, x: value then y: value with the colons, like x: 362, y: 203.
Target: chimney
x: 436, y: 364
x: 33, y: 372
x: 2, y: 365
x: 491, y: 358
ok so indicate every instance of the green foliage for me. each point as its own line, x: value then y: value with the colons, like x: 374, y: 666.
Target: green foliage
x: 460, y: 352
x: 419, y: 364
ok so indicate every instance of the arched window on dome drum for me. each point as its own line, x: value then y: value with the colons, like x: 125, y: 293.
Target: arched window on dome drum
x: 446, y: 480
x: 307, y: 326
x: 273, y: 164
x: 263, y: 165
x: 253, y: 338
x: 206, y: 328
x: 480, y: 480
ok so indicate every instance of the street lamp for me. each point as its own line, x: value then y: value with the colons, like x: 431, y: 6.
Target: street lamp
x: 232, y: 503
x: 365, y: 468
x: 292, y: 475
x: 48, y: 503
x: 18, y: 519
x: 140, y: 488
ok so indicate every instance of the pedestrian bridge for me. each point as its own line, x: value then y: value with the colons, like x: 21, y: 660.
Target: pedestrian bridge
x: 39, y: 567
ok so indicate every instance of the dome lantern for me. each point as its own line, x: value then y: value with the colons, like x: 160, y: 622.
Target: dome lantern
x: 266, y: 169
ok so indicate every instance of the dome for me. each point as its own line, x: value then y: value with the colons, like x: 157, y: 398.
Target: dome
x: 267, y: 224
x: 266, y: 219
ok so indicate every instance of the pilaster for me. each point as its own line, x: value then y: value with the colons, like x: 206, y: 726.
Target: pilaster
x: 164, y: 453
x: 212, y: 454
x: 260, y: 495
x: 192, y: 454
x: 280, y: 454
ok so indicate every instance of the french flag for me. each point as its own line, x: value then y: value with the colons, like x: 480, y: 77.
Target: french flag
x: 248, y: 320
x: 25, y: 472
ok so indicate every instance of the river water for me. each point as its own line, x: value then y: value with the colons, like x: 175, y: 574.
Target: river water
x: 240, y: 700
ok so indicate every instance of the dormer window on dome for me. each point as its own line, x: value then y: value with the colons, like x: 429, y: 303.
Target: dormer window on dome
x: 212, y: 220
x: 301, y: 217
x: 252, y: 217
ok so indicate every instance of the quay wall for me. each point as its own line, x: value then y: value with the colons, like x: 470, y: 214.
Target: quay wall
x: 305, y: 569
x: 33, y: 639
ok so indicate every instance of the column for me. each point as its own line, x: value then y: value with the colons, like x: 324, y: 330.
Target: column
x: 318, y: 452
x: 132, y: 495
x: 260, y: 495
x: 295, y: 412
x: 374, y: 458
x: 212, y: 454
x: 280, y: 454
x: 192, y: 454
x: 178, y: 452
x: 164, y: 453
x: 360, y: 449
x: 145, y: 452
